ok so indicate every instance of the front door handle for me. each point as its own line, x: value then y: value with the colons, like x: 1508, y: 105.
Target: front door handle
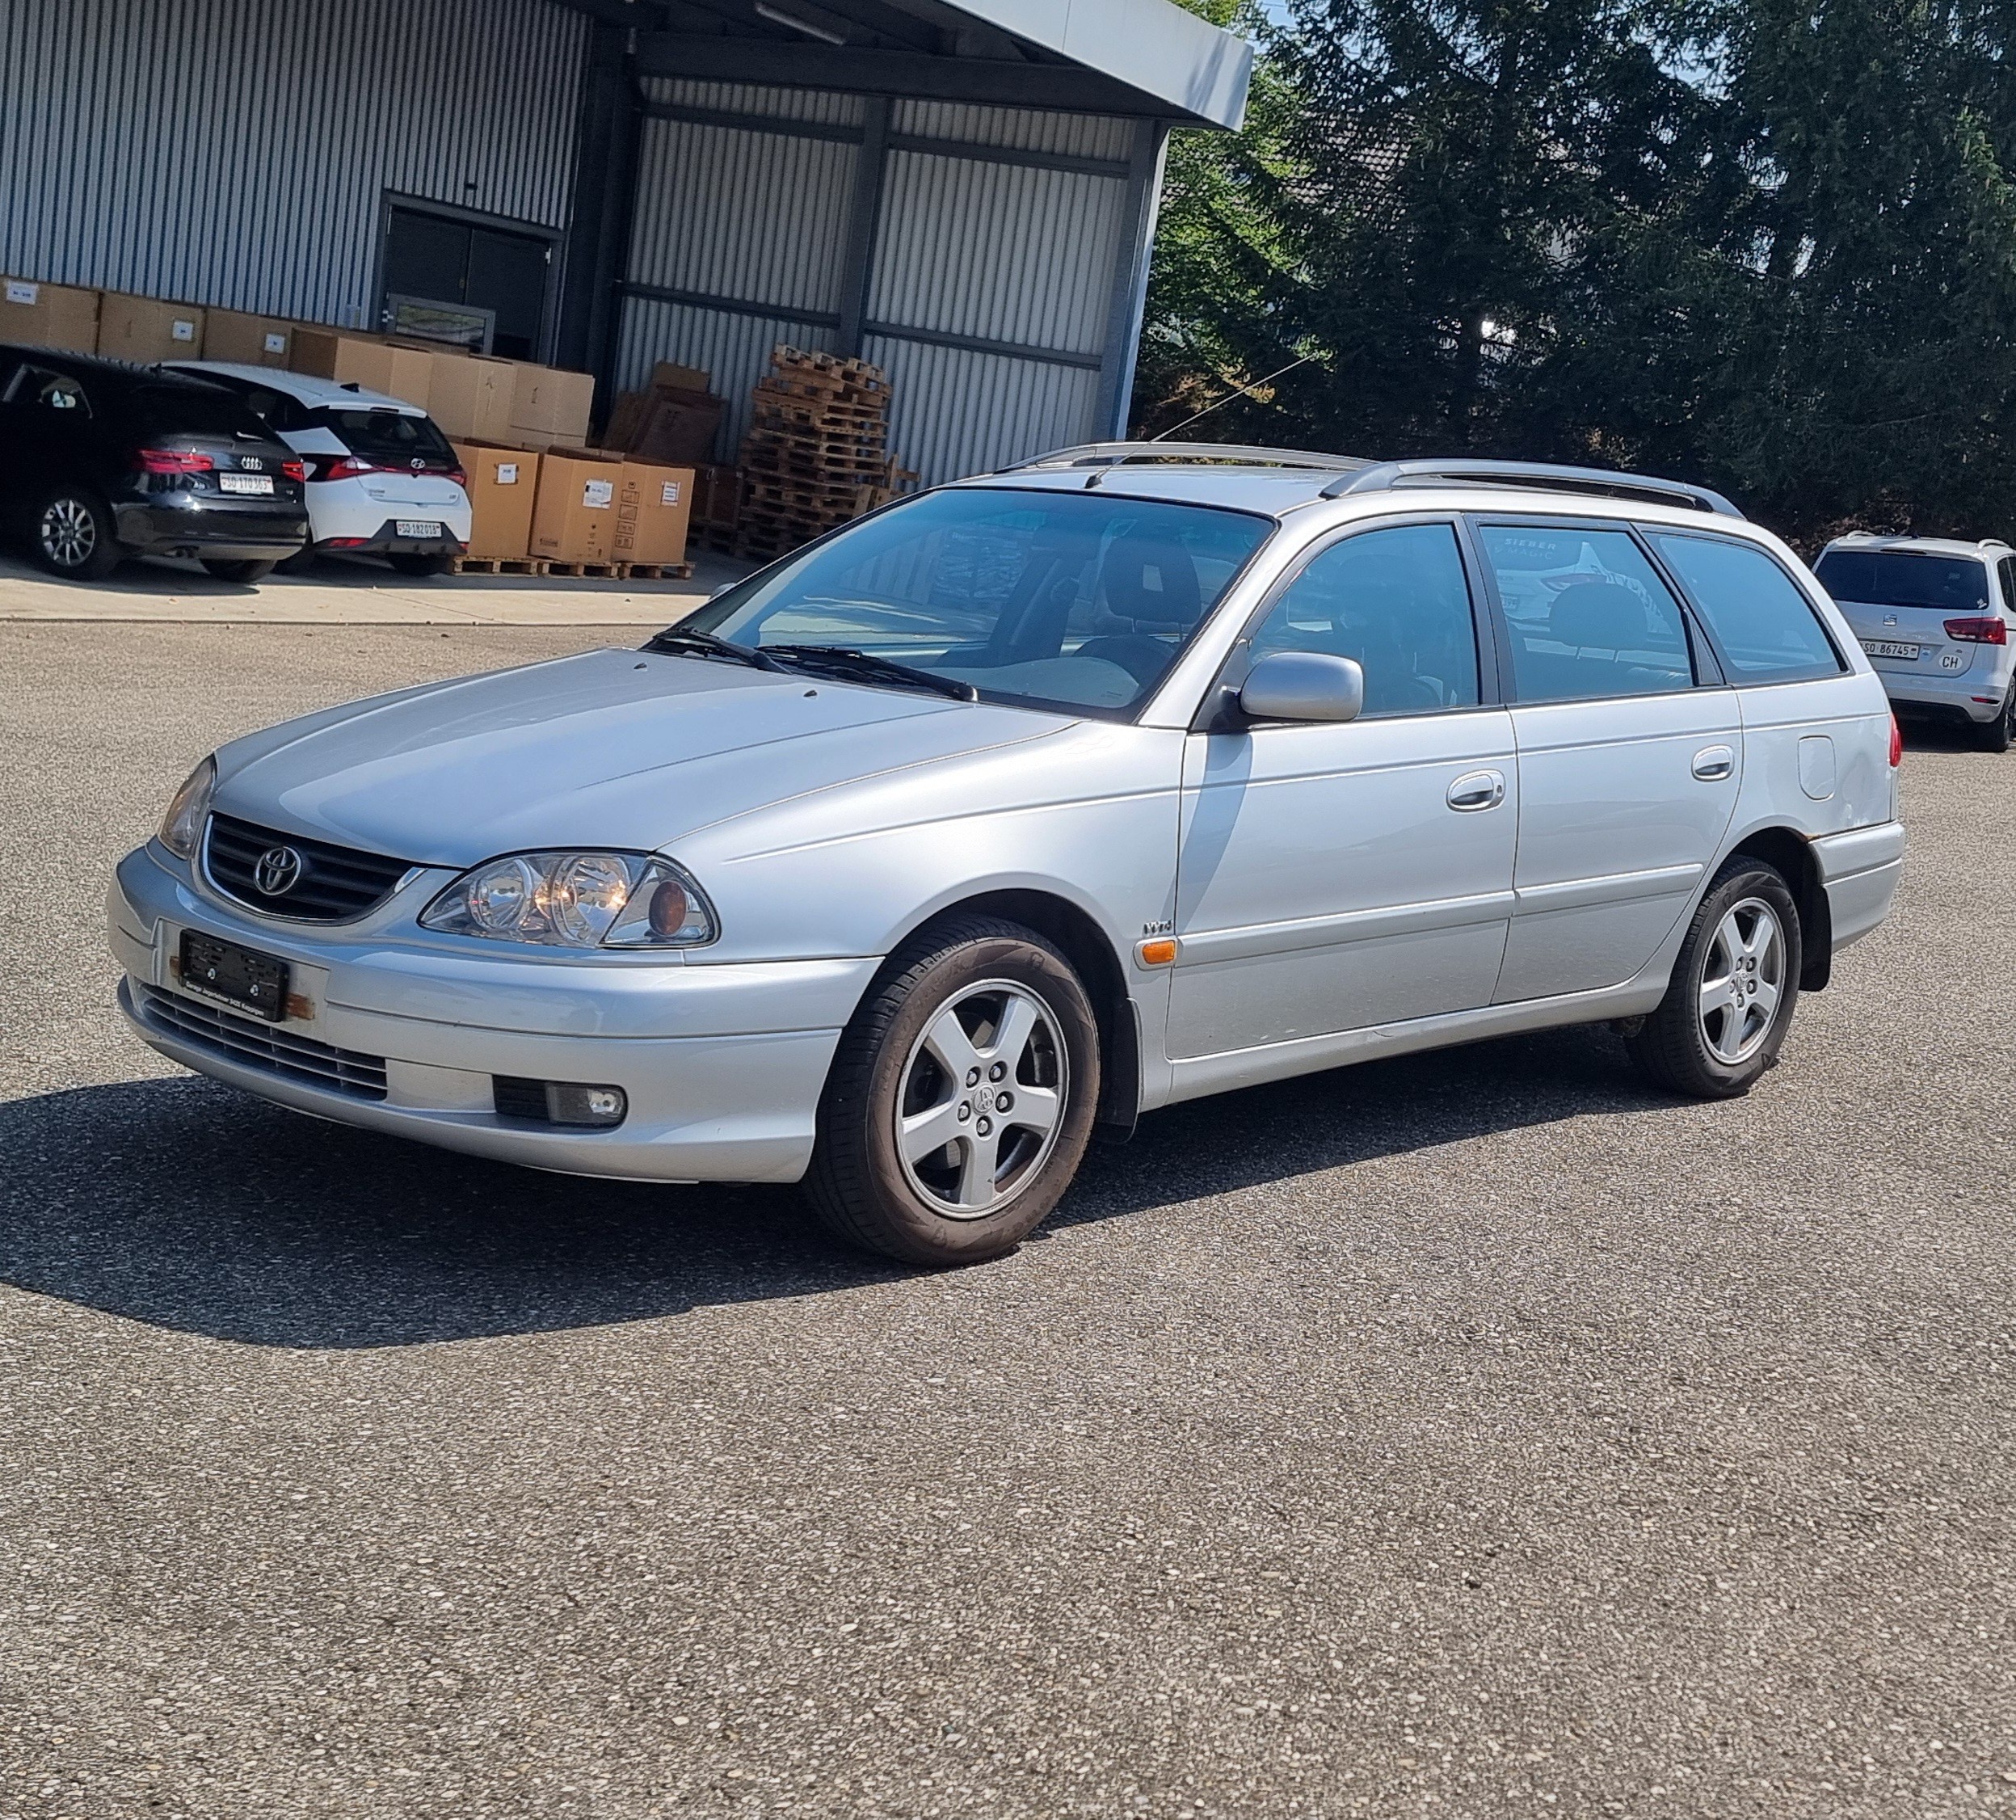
x: 1477, y: 790
x: 1712, y: 764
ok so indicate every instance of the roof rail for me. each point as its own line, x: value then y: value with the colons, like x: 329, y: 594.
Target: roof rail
x: 1539, y: 474
x: 1114, y: 454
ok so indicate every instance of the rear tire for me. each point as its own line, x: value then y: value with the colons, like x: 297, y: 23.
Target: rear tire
x: 1734, y: 988
x: 1999, y: 734
x: 962, y: 1098
x: 70, y: 531
x: 413, y: 565
x: 243, y: 572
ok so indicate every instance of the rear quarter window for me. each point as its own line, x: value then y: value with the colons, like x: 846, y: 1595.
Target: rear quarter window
x: 1765, y: 626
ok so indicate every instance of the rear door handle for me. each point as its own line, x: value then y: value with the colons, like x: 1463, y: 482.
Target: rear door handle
x: 1477, y: 790
x: 1712, y: 764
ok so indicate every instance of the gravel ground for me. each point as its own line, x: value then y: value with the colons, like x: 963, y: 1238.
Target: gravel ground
x: 1472, y: 1434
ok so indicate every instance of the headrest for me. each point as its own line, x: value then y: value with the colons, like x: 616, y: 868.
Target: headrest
x: 1598, y: 614
x: 1150, y: 582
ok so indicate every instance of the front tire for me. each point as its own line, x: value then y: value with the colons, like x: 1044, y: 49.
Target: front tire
x: 962, y: 1098
x: 70, y: 530
x: 1734, y: 988
x: 1999, y: 734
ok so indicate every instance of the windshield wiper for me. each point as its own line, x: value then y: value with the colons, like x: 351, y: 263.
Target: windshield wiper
x: 844, y: 661
x: 687, y: 641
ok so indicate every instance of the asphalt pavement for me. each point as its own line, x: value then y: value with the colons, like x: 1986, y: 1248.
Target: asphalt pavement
x: 1475, y: 1434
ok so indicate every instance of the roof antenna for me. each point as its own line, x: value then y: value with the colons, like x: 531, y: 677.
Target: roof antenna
x: 1251, y: 385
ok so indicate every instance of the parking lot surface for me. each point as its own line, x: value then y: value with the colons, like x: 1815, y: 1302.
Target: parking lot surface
x: 1477, y: 1434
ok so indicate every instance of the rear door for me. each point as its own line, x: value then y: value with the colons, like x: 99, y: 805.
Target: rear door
x: 1630, y: 751
x: 46, y: 431
x: 1897, y: 603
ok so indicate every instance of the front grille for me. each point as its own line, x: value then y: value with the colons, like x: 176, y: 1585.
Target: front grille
x: 254, y: 1044
x: 517, y: 1098
x: 336, y: 884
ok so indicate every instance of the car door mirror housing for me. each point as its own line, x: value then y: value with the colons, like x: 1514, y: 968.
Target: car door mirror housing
x: 1303, y: 685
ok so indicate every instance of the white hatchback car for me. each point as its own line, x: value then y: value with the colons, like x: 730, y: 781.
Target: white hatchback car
x: 1938, y: 618
x: 1032, y: 803
x: 382, y: 478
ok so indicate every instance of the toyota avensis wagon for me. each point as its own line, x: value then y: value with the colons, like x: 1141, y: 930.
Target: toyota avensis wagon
x: 1037, y: 802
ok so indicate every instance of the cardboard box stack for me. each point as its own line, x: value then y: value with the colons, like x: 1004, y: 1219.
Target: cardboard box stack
x: 817, y: 453
x: 672, y: 421
x: 34, y: 314
x: 406, y: 373
x: 144, y: 330
x: 249, y: 340
x: 574, y: 518
x: 503, y: 485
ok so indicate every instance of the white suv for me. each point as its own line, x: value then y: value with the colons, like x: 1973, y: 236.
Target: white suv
x: 1937, y: 619
x: 382, y: 478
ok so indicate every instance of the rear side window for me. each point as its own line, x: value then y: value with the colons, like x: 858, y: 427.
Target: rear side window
x: 41, y: 390
x: 385, y: 436
x: 1766, y: 628
x: 1902, y: 578
x: 1588, y: 615
x: 1396, y: 601
x: 194, y: 410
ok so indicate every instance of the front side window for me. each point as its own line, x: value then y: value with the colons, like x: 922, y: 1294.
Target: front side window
x: 1077, y: 600
x: 1395, y: 600
x: 1766, y: 627
x: 1588, y: 615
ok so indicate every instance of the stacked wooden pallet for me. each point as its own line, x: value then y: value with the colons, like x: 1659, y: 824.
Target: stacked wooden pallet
x: 817, y: 452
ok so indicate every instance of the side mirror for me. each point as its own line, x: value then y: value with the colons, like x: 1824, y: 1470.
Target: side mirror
x: 1303, y: 685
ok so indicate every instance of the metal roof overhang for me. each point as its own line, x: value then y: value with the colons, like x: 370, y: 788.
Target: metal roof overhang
x: 1140, y: 57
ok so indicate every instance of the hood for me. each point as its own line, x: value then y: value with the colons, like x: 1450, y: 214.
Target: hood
x: 613, y: 748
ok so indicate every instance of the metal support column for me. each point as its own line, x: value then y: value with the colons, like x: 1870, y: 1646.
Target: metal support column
x: 863, y: 222
x: 1129, y: 295
x: 604, y: 192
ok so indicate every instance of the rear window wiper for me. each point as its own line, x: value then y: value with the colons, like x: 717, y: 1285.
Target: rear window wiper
x: 844, y: 661
x: 687, y: 641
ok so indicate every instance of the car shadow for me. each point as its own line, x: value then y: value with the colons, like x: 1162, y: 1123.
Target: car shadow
x: 185, y: 1204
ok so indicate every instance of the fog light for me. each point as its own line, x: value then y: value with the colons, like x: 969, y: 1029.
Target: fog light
x: 558, y: 1103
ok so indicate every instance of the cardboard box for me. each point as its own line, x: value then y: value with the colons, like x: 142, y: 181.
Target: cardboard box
x: 249, y: 340
x: 669, y: 426
x: 653, y: 505
x: 551, y: 405
x: 574, y: 518
x: 503, y: 486
x: 144, y: 330
x: 39, y: 315
x: 469, y: 396
x: 406, y: 373
x: 670, y: 375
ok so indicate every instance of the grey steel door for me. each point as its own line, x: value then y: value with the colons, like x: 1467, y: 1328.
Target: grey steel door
x: 1333, y: 877
x: 1629, y: 756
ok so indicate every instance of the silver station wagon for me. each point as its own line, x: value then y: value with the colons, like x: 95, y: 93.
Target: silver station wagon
x: 1036, y: 803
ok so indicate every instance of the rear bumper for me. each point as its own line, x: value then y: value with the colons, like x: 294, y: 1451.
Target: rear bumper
x: 387, y: 541
x: 1860, y: 870
x: 1973, y: 695
x: 249, y: 530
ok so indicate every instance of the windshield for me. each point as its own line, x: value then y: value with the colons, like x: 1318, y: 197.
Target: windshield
x: 1058, y: 600
x: 1891, y: 578
x: 383, y: 435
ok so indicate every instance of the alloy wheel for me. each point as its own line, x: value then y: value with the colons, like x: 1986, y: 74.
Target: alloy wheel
x: 981, y: 1099
x: 68, y: 533
x: 1742, y: 979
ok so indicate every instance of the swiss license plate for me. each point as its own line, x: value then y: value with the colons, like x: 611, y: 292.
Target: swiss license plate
x: 245, y: 482
x: 420, y: 527
x: 238, y: 977
x: 1889, y: 647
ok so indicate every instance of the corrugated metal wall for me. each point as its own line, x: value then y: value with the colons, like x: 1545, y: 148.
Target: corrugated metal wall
x: 975, y: 249
x: 235, y: 152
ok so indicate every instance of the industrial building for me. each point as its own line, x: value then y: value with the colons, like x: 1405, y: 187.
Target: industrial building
x: 962, y: 192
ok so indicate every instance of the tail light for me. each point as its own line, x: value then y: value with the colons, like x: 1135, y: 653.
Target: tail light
x: 457, y: 475
x: 1989, y: 630
x: 173, y: 460
x: 295, y: 469
x: 1896, y: 744
x: 337, y: 467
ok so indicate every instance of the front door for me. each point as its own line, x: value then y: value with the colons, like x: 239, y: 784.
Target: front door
x: 1630, y: 751
x: 500, y: 275
x: 1334, y: 877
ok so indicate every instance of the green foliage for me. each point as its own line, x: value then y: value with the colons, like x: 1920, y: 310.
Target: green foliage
x: 1769, y: 245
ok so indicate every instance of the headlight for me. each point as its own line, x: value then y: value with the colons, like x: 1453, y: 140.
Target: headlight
x: 577, y: 900
x: 181, y: 828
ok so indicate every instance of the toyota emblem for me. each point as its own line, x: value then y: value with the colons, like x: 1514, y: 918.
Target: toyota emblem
x: 278, y: 872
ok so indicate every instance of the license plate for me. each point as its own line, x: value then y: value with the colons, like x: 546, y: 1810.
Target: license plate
x: 1889, y: 647
x: 420, y: 527
x: 245, y: 482
x: 238, y: 977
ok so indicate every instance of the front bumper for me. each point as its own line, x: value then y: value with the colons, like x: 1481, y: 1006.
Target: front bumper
x: 394, y: 1030
x: 219, y: 530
